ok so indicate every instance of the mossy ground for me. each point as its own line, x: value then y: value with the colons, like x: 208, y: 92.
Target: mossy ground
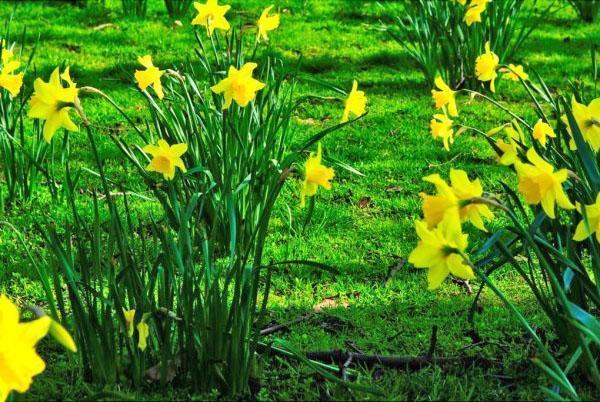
x: 339, y: 41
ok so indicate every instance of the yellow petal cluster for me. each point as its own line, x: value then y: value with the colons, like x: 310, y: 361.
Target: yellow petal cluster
x: 588, y: 122
x: 150, y: 76
x: 356, y: 103
x: 315, y: 175
x: 486, y: 66
x: 541, y: 132
x: 445, y: 97
x: 441, y: 127
x: 266, y: 23
x: 590, y: 223
x: 441, y: 250
x: 212, y: 16
x: 52, y: 102
x: 239, y: 86
x: 166, y: 158
x: 8, y: 79
x: 474, y: 11
x: 515, y: 73
x: 19, y: 361
x: 539, y: 183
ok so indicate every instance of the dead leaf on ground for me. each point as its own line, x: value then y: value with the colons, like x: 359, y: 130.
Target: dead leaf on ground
x: 103, y: 26
x: 394, y: 189
x: 364, y: 202
x: 154, y: 373
x: 308, y: 121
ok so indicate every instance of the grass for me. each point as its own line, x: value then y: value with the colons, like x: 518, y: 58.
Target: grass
x: 363, y: 226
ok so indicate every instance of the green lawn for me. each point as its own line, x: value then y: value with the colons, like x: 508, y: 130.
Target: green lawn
x: 364, y: 226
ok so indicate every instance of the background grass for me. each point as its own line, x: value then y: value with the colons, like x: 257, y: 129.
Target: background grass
x: 364, y: 226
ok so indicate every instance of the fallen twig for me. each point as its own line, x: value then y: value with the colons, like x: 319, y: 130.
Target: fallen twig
x: 283, y: 327
x: 394, y: 270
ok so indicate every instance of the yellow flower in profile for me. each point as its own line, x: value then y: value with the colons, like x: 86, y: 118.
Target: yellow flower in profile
x: 212, y: 16
x: 129, y: 316
x: 239, y: 86
x: 486, y: 66
x: 19, y: 362
x: 541, y: 132
x: 166, y: 158
x: 440, y: 249
x: 150, y: 76
x: 9, y: 80
x: 474, y: 11
x: 62, y: 336
x: 266, y: 23
x: 444, y: 97
x: 515, y: 72
x: 455, y: 197
x: 7, y: 53
x: 441, y: 127
x: 591, y: 222
x: 510, y: 152
x: 315, y: 175
x: 356, y: 103
x: 588, y: 121
x: 540, y: 184
x: 143, y: 332
x: 52, y: 102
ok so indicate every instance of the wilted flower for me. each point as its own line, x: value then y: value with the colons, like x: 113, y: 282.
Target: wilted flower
x: 212, y: 16
x: 143, y: 332
x: 440, y: 249
x: 19, y: 362
x: 540, y: 184
x: 486, y: 66
x: 239, y: 86
x: 356, y: 103
x: 266, y: 23
x: 591, y: 222
x: 166, y: 158
x: 52, y: 102
x: 129, y: 316
x: 541, y: 132
x: 150, y: 76
x: 444, y: 97
x: 441, y: 127
x: 315, y: 175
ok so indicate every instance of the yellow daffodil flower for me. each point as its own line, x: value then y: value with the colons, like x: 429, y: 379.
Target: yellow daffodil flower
x: 541, y: 132
x: 166, y: 158
x: 461, y: 2
x: 52, y: 102
x: 212, y: 16
x: 19, y: 361
x: 440, y: 249
x: 266, y: 23
x: 62, y: 336
x: 9, y: 80
x: 129, y: 316
x: 444, y: 97
x: 150, y: 76
x: 356, y: 103
x: 588, y: 121
x: 441, y: 127
x: 514, y: 73
x: 510, y: 152
x: 239, y: 86
x: 143, y: 332
x: 486, y: 66
x: 7, y: 53
x: 474, y: 11
x: 456, y: 197
x: 315, y: 175
x: 591, y: 222
x: 540, y: 184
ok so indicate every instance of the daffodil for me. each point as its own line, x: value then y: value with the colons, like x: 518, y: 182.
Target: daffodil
x: 539, y: 183
x: 62, y: 336
x: 356, y: 103
x: 474, y: 11
x: 239, y: 86
x: 8, y: 79
x: 456, y: 197
x: 19, y: 361
x: 509, y: 152
x: 515, y: 72
x: 591, y: 222
x: 461, y: 2
x: 212, y: 16
x: 129, y: 316
x: 444, y: 97
x: 7, y: 53
x: 143, y: 332
x: 440, y: 250
x: 486, y: 66
x: 150, y: 76
x: 266, y: 23
x: 52, y: 102
x: 165, y: 158
x: 315, y: 175
x: 541, y: 132
x: 441, y: 127
x: 588, y: 121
